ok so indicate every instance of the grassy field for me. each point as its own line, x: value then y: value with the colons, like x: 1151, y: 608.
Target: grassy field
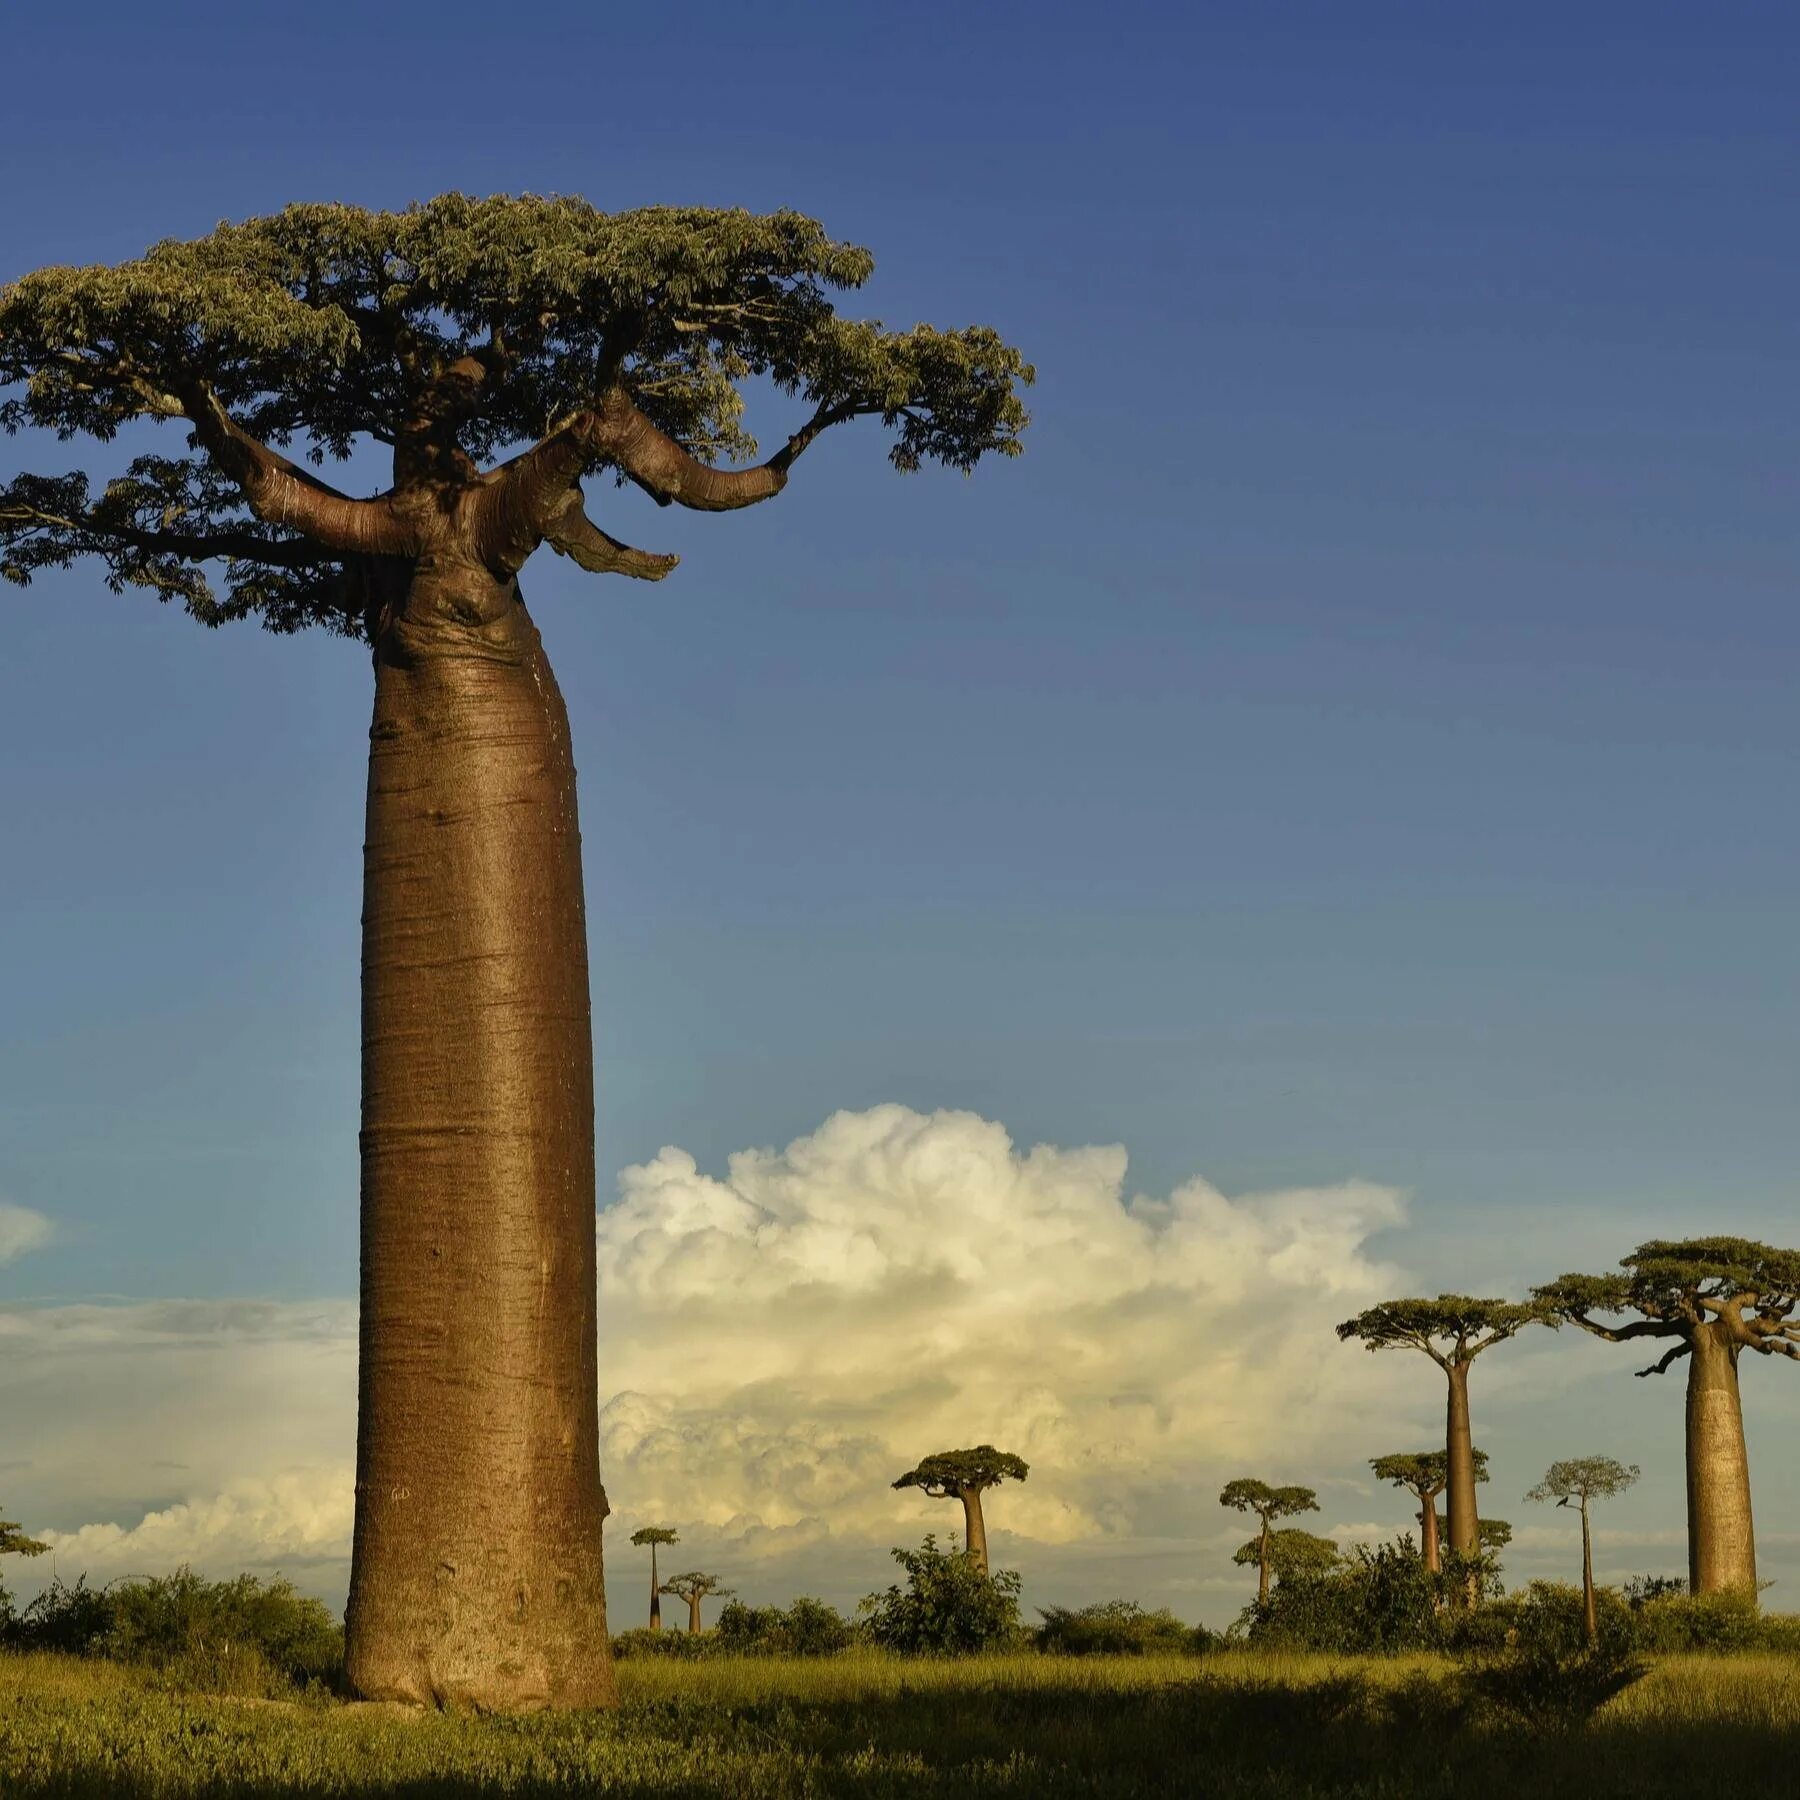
x: 1233, y: 1724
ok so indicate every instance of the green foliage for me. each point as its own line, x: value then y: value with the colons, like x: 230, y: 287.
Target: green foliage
x: 682, y: 1646
x: 244, y: 1634
x: 1382, y: 1601
x: 1423, y: 1473
x: 948, y: 1607
x: 1453, y: 1328
x: 1584, y: 1478
x: 655, y: 1534
x: 322, y: 326
x: 1247, y: 1494
x: 1719, y: 1623
x: 949, y: 1474
x: 807, y: 1627
x: 1118, y: 1628
x: 14, y: 1542
x: 1292, y: 1552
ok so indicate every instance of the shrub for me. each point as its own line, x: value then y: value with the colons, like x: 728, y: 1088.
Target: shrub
x: 948, y: 1606
x: 1117, y: 1628
x: 1679, y: 1621
x: 1383, y: 1600
x: 1548, y: 1679
x: 683, y: 1646
x: 67, y: 1616
x: 807, y: 1628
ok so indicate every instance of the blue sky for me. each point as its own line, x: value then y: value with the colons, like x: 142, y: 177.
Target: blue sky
x: 1355, y: 741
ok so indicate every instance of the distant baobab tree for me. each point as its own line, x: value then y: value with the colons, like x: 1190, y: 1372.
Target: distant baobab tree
x: 1709, y: 1300
x: 1452, y: 1330
x: 966, y: 1475
x: 693, y: 1587
x: 498, y: 351
x: 654, y: 1535
x: 1423, y: 1474
x: 1287, y: 1554
x: 1249, y: 1495
x: 1577, y: 1482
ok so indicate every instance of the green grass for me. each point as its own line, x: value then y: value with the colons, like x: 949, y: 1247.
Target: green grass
x: 1237, y: 1724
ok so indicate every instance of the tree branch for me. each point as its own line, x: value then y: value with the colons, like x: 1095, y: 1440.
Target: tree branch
x: 1623, y: 1334
x: 243, y: 546
x: 1670, y: 1357
x: 282, y: 493
x: 570, y: 532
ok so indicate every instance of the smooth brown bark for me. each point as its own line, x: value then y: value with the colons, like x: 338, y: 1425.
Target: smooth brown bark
x: 1590, y: 1620
x: 655, y: 1594
x: 1429, y: 1547
x: 476, y: 1577
x: 1721, y: 1535
x: 694, y: 1613
x: 974, y: 1527
x: 1262, y: 1565
x: 1461, y: 1522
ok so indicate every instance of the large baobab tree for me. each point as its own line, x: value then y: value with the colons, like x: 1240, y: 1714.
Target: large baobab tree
x: 693, y: 1586
x: 1249, y: 1495
x: 1577, y: 1482
x: 966, y: 1475
x: 1423, y: 1473
x: 1452, y: 1330
x: 654, y: 1535
x: 497, y: 352
x: 1708, y: 1300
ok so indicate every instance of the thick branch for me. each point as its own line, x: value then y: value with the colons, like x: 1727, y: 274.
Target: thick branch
x: 1670, y: 1357
x: 1623, y: 1334
x: 573, y: 534
x: 282, y: 493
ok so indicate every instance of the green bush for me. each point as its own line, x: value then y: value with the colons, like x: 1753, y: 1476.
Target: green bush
x: 1383, y: 1600
x: 682, y: 1646
x: 948, y: 1606
x: 1117, y: 1628
x: 808, y: 1627
x: 1720, y: 1622
x: 245, y: 1635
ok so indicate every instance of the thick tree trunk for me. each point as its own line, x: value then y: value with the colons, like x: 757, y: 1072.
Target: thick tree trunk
x: 1721, y: 1537
x: 694, y: 1615
x: 1590, y: 1621
x: 974, y: 1529
x: 655, y: 1594
x: 476, y: 1577
x: 1262, y: 1565
x: 1461, y: 1520
x: 1429, y: 1549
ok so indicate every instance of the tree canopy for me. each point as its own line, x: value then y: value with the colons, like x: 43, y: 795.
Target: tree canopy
x: 1291, y: 1552
x: 1424, y: 1473
x: 655, y: 1534
x: 451, y: 332
x: 950, y: 1474
x: 694, y: 1584
x: 1678, y: 1285
x: 14, y: 1542
x: 1247, y: 1494
x: 1584, y: 1478
x: 1452, y: 1330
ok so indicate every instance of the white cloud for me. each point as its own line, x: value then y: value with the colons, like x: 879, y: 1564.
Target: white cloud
x: 21, y: 1231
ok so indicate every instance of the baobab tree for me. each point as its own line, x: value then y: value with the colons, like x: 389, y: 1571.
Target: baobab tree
x: 1287, y: 1554
x: 693, y: 1587
x: 1247, y: 1494
x: 654, y: 1535
x: 966, y: 1475
x: 1577, y: 1482
x: 1707, y: 1300
x: 1423, y: 1474
x: 497, y: 352
x: 1452, y: 1330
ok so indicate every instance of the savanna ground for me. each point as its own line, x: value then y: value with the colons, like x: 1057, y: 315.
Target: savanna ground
x: 866, y: 1724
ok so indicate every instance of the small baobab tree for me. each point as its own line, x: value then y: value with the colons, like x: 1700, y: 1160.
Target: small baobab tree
x: 1452, y: 1330
x: 1577, y: 1482
x: 1708, y: 1300
x: 654, y: 1535
x: 1288, y: 1555
x: 1248, y: 1495
x: 1423, y: 1473
x: 966, y: 1475
x: 693, y: 1587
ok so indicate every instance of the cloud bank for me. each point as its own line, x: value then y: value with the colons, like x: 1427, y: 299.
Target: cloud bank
x: 21, y: 1231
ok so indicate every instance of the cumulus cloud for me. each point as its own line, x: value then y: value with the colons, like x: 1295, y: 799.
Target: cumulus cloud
x: 786, y: 1339
x: 21, y: 1231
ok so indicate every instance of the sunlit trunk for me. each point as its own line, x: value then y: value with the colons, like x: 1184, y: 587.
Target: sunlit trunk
x: 1429, y: 1549
x: 974, y: 1528
x: 1589, y: 1617
x: 1721, y: 1537
x: 477, y: 1572
x: 1262, y: 1565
